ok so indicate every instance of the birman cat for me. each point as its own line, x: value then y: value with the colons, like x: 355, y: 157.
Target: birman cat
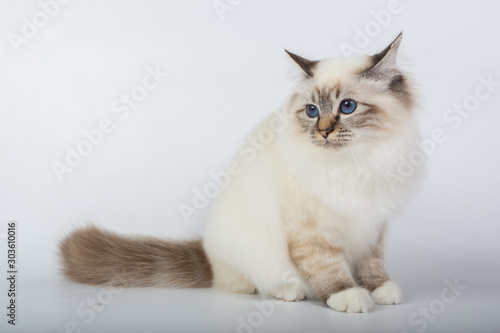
x: 306, y: 214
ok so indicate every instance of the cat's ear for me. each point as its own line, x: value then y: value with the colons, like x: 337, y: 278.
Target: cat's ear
x: 306, y: 65
x: 384, y: 63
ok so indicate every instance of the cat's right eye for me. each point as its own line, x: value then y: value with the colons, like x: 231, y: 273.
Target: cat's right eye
x: 312, y: 111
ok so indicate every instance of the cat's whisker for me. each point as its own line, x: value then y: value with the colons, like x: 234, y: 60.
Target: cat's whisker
x: 351, y: 176
x: 373, y: 141
x: 354, y: 148
x: 379, y: 169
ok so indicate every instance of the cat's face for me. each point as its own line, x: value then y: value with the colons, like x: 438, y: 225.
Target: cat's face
x: 341, y: 104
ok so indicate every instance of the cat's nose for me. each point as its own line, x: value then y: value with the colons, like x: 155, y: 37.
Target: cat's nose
x: 326, y: 125
x: 324, y: 133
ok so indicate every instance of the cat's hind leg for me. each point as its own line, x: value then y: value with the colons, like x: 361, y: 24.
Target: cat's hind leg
x: 274, y: 274
x: 271, y: 277
x: 229, y: 280
x: 292, y: 287
x: 248, y: 250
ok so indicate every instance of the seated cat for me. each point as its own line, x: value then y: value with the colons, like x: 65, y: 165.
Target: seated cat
x: 306, y: 214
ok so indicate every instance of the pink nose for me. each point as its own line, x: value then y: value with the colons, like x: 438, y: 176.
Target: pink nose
x: 324, y: 133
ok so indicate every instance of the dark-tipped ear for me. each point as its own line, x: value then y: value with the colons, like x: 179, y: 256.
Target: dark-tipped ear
x: 306, y: 65
x: 385, y: 62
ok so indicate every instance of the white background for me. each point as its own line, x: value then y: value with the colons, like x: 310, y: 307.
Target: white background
x: 225, y: 75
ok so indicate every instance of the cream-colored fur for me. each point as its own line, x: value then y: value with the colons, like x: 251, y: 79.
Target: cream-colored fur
x: 291, y: 181
x: 307, y: 214
x: 388, y: 293
x: 352, y: 300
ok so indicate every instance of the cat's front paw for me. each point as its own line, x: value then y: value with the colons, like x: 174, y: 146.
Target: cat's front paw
x: 290, y: 292
x: 353, y: 300
x: 388, y: 293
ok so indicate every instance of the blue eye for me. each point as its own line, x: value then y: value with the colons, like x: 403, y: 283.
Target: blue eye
x: 312, y: 111
x: 348, y: 106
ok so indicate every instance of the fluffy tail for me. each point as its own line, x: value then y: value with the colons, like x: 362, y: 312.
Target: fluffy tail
x: 96, y: 256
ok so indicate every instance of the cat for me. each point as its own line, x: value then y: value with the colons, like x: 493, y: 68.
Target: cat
x: 306, y: 216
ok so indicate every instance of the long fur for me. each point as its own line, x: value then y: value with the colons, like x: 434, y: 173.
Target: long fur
x: 307, y: 214
x: 92, y: 255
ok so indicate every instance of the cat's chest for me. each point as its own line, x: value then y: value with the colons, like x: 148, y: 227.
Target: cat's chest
x: 353, y: 213
x: 355, y: 195
x: 348, y: 208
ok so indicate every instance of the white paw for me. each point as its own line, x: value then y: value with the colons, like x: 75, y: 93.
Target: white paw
x: 353, y: 300
x: 388, y: 293
x: 289, y: 292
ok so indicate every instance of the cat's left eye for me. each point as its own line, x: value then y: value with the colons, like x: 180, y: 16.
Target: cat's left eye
x: 348, y: 106
x: 312, y: 111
